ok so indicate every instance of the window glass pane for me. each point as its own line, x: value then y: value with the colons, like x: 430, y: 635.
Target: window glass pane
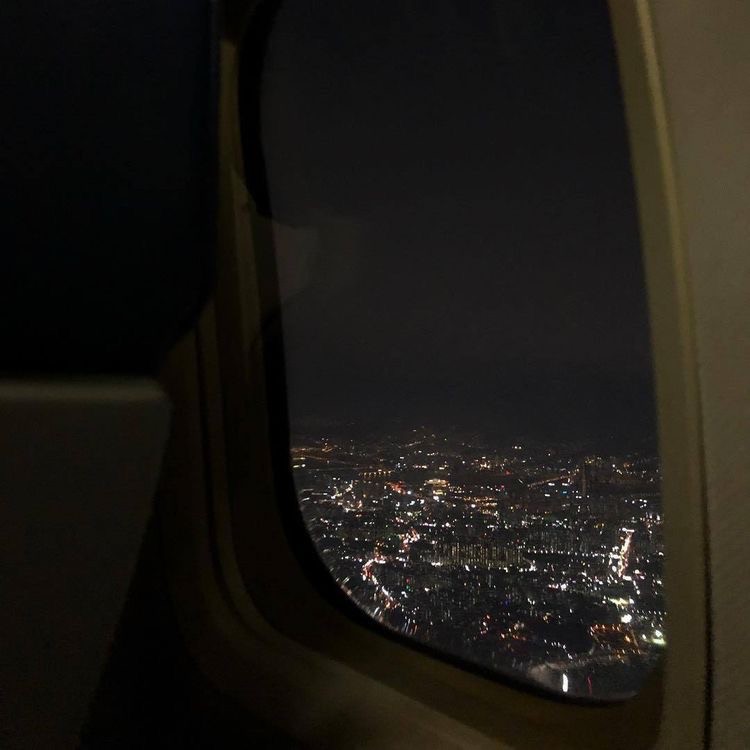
x: 465, y: 328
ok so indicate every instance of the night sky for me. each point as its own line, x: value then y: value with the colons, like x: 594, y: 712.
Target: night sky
x: 456, y: 231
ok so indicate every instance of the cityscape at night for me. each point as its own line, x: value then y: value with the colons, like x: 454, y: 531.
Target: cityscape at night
x: 542, y: 561
x: 457, y: 247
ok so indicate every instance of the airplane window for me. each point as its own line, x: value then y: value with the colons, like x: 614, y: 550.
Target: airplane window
x: 465, y: 330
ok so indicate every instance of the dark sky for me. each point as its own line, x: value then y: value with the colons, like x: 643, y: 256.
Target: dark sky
x: 466, y: 246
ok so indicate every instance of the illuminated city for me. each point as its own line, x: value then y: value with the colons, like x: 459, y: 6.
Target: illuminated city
x: 539, y: 560
x: 457, y: 247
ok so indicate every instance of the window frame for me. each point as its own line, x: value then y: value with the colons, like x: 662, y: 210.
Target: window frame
x: 274, y: 651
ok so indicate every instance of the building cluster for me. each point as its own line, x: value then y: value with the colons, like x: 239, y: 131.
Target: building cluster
x: 543, y: 562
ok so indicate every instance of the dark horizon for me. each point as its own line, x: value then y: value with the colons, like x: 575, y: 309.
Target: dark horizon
x: 378, y: 431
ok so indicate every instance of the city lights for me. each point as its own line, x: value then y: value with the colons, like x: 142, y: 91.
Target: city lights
x: 548, y: 565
